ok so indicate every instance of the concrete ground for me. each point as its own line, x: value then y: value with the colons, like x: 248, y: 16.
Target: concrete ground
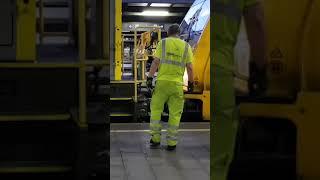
x: 132, y: 159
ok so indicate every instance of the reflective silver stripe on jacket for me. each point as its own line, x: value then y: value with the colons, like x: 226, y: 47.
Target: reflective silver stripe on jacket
x: 163, y: 49
x: 231, y: 10
x: 181, y: 64
x: 172, y: 62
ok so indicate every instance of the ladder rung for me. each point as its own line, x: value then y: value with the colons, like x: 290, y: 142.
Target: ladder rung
x: 55, y: 20
x: 35, y: 169
x: 52, y: 117
x: 141, y: 81
x: 121, y: 99
x: 122, y: 82
x: 57, y: 4
x: 101, y: 62
x: 142, y: 59
x: 120, y: 115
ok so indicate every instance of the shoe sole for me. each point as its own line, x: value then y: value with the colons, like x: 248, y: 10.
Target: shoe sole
x: 170, y: 149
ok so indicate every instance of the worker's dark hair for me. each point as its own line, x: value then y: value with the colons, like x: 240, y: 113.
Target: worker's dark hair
x: 174, y: 30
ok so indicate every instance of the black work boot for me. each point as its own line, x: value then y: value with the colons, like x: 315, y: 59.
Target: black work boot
x: 154, y: 144
x: 171, y: 148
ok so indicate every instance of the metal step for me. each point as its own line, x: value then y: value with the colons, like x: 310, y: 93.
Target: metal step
x: 29, y: 167
x: 54, y: 34
x: 121, y: 99
x: 54, y: 4
x: 119, y: 114
x: 52, y: 20
x: 57, y: 26
x: 122, y: 82
x: 35, y: 117
x: 127, y: 66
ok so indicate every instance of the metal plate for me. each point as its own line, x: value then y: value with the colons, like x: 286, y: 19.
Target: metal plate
x: 6, y: 19
x: 7, y: 30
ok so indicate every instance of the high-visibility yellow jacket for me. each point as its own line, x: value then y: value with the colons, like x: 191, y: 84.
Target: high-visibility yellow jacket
x: 227, y: 17
x: 174, y: 54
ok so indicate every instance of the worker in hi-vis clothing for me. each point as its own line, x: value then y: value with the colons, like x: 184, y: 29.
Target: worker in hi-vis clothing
x: 172, y: 57
x: 227, y: 16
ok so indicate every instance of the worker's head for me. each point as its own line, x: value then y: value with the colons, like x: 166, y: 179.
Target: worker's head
x: 174, y: 30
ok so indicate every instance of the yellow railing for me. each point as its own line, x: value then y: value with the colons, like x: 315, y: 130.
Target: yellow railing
x: 141, y: 62
x: 81, y: 65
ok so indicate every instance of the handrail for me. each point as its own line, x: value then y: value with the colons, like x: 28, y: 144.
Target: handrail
x: 137, y: 61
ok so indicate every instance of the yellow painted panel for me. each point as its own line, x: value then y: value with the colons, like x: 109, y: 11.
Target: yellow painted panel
x: 118, y: 40
x: 26, y: 30
x: 201, y: 62
x: 308, y: 146
x: 310, y: 52
x: 48, y: 169
x: 201, y: 66
x: 294, y: 41
x: 284, y: 32
x: 48, y: 117
x: 206, y: 105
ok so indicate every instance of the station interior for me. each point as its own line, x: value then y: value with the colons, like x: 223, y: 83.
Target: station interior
x: 74, y: 102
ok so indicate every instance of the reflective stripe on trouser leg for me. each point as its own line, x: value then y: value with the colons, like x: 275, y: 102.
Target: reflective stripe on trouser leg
x: 224, y: 124
x: 175, y: 105
x: 157, y: 103
x: 155, y: 130
x: 172, y: 135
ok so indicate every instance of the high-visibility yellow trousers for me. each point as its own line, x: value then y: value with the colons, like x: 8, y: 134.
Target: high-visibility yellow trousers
x: 169, y: 92
x: 224, y: 123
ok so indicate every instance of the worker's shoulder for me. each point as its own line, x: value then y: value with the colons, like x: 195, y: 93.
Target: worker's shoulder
x: 174, y: 39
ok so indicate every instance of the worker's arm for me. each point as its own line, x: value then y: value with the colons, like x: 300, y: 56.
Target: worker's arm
x: 154, y: 67
x: 189, y: 66
x: 190, y: 72
x: 256, y: 32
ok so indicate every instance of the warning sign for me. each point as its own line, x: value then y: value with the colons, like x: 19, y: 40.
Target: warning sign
x: 277, y: 61
x: 276, y: 67
x: 276, y: 54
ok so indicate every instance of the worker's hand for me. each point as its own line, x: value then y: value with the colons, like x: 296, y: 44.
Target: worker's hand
x: 190, y: 86
x: 149, y: 82
x: 257, y: 83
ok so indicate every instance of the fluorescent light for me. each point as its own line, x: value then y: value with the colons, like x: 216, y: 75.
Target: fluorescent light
x: 155, y: 13
x: 160, y: 4
x: 138, y: 4
x: 181, y: 5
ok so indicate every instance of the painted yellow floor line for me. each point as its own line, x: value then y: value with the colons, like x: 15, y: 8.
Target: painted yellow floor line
x: 146, y: 130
